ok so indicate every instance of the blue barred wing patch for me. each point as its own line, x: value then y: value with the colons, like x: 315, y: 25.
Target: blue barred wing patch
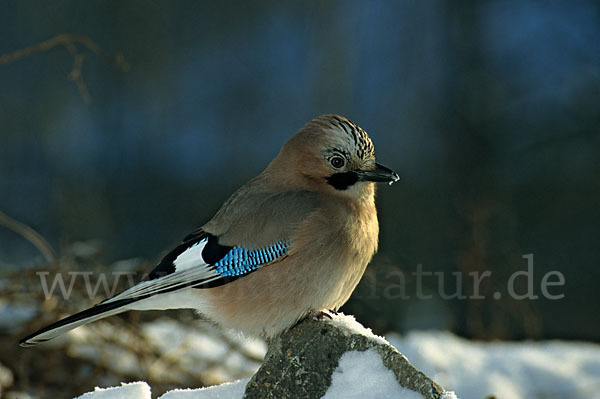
x: 202, y: 263
x: 240, y: 261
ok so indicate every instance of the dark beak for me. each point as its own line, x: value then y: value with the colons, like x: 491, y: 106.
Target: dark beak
x: 380, y: 174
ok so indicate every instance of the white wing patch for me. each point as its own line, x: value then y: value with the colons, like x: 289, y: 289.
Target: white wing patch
x: 191, y: 257
x: 190, y: 267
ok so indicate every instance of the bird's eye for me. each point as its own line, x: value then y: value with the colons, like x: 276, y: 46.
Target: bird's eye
x: 337, y: 162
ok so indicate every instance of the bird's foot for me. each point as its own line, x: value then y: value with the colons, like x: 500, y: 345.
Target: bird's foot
x: 319, y: 314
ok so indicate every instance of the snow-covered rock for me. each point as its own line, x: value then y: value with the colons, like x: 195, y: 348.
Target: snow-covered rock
x: 475, y: 370
x: 333, y: 359
x: 317, y: 358
x: 377, y: 381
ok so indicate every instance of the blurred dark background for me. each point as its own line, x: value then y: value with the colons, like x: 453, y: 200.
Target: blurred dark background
x: 489, y: 111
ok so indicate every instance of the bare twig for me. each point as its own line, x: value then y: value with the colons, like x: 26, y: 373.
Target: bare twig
x: 30, y: 235
x: 69, y: 41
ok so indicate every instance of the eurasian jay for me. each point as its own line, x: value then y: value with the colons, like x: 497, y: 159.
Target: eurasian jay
x: 291, y: 242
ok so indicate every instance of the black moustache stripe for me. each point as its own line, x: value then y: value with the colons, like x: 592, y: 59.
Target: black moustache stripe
x: 342, y: 181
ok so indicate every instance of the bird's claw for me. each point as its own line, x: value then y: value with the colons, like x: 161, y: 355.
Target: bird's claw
x: 319, y: 314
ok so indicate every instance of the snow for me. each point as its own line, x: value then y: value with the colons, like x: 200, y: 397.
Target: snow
x: 363, y: 375
x: 134, y: 390
x: 141, y: 390
x: 229, y: 390
x: 516, y: 370
x: 448, y: 395
x: 349, y: 324
x: 474, y: 370
x: 359, y: 375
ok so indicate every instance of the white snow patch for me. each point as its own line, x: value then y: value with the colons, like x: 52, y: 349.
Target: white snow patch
x: 134, y: 390
x: 516, y: 370
x: 349, y: 323
x: 363, y: 375
x: 229, y: 390
x: 141, y: 390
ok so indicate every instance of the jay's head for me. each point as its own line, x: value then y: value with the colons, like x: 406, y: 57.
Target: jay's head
x: 332, y: 154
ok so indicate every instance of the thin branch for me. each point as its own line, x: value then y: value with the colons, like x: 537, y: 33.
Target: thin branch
x: 69, y: 41
x: 30, y: 235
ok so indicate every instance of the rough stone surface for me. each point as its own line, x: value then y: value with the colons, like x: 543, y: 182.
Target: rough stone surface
x: 300, y: 362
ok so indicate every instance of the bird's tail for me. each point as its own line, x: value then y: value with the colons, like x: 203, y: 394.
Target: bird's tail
x: 97, y: 312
